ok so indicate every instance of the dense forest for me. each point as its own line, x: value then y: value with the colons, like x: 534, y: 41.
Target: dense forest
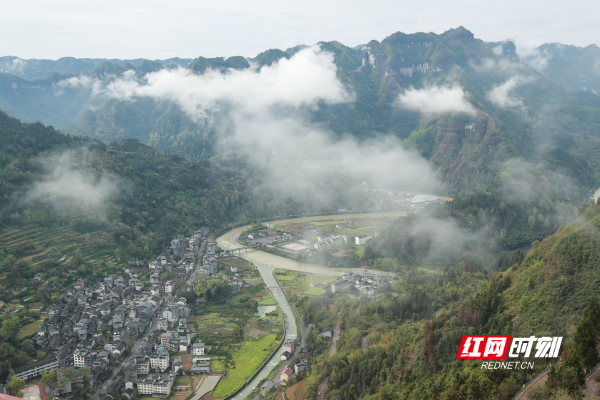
x: 414, y: 335
x: 514, y: 252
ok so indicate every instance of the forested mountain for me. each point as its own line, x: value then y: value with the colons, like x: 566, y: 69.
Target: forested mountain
x: 39, y: 68
x: 531, y: 117
x: 551, y: 292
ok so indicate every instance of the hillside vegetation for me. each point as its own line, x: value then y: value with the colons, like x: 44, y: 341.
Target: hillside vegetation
x: 414, y: 357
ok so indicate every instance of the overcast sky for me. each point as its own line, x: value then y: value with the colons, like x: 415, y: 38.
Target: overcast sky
x: 159, y: 29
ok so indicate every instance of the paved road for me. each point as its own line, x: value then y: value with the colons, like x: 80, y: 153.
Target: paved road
x: 289, y: 319
x: 227, y: 241
x: 102, y: 389
x: 303, y: 333
x: 321, y: 390
x: 336, y: 333
x: 364, y: 343
x: 592, y: 388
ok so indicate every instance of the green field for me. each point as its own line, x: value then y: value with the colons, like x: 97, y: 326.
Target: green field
x: 324, y: 223
x: 216, y: 365
x: 360, y: 251
x: 313, y: 291
x: 285, y: 277
x: 267, y: 300
x: 247, y: 360
x: 318, y: 278
x: 29, y: 329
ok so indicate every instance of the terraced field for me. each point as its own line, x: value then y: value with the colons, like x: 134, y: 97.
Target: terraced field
x: 58, y: 243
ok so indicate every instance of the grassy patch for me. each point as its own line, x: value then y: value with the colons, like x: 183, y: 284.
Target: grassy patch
x: 216, y: 365
x: 29, y: 329
x: 313, y: 291
x: 324, y: 223
x: 301, y: 391
x: 360, y: 251
x: 186, y: 359
x: 285, y: 277
x: 267, y: 300
x: 318, y: 278
x: 247, y: 359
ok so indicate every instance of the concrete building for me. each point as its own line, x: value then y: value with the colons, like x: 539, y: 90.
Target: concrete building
x: 198, y: 349
x: 266, y: 388
x: 160, y: 360
x: 285, y: 374
x: 361, y: 240
x: 301, y: 366
x: 84, y: 358
x: 200, y: 366
x: 288, y: 345
x: 339, y: 287
x: 142, y: 366
x: 157, y: 385
x: 36, y: 368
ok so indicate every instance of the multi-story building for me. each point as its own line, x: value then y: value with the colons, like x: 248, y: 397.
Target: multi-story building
x: 301, y: 366
x: 84, y: 358
x: 142, y: 365
x: 360, y: 240
x: 288, y: 345
x: 339, y: 287
x: 160, y: 360
x: 36, y: 368
x: 198, y: 349
x: 171, y: 314
x: 162, y: 324
x: 157, y: 385
x: 200, y: 366
x: 173, y: 345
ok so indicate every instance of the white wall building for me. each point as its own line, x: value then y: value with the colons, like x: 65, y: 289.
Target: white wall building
x: 361, y: 240
x: 198, y: 349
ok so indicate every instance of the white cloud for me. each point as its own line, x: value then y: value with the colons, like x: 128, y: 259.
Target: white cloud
x: 306, y: 78
x: 436, y: 99
x: 500, y: 95
x: 264, y: 114
x: 67, y: 185
x: 532, y: 56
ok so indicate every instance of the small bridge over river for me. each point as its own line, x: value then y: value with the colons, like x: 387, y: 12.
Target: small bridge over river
x: 239, y: 250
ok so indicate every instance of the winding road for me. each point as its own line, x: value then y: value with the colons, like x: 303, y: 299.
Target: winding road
x: 266, y: 263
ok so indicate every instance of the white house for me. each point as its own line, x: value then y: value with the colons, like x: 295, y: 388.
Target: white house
x: 361, y: 240
x: 198, y: 349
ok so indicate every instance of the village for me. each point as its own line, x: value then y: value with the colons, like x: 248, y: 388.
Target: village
x: 130, y: 335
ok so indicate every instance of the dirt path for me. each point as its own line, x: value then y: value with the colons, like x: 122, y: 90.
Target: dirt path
x: 321, y: 390
x: 592, y: 388
x: 538, y: 382
x: 35, y: 255
x: 364, y: 343
x: 336, y: 333
x: 290, y: 392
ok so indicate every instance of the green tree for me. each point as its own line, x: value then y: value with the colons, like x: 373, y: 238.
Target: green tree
x: 16, y: 385
x: 48, y: 378
x: 10, y: 327
x: 217, y: 287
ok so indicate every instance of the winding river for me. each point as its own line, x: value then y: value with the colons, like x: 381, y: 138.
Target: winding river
x: 266, y: 263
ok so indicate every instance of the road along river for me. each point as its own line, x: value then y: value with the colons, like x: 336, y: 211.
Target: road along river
x: 266, y: 263
x: 228, y: 241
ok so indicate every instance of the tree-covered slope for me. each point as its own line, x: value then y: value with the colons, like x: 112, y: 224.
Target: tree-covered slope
x: 551, y: 292
x: 519, y: 112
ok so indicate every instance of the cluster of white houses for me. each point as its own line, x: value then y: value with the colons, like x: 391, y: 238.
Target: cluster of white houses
x: 98, y: 318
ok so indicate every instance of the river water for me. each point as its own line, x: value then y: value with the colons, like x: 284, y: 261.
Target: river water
x: 266, y: 263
